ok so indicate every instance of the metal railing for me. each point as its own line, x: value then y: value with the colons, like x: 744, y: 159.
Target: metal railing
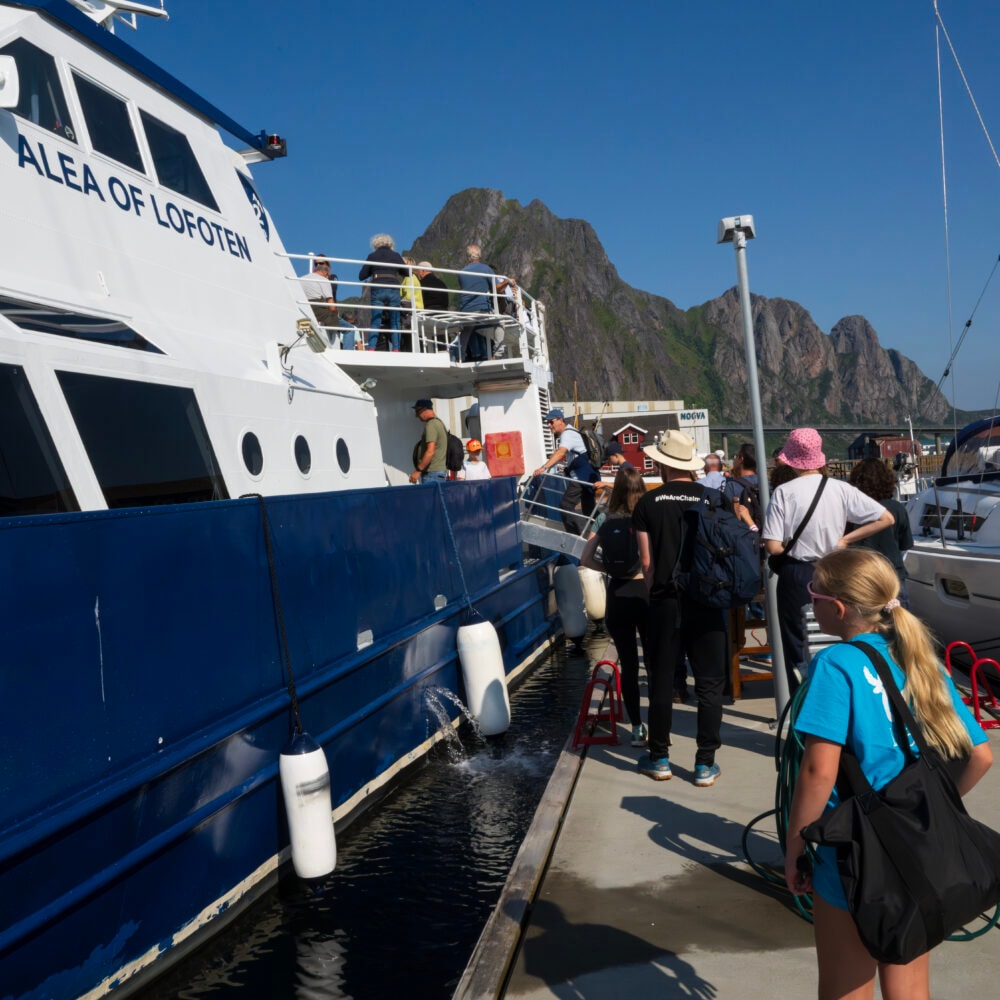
x: 544, y: 521
x: 513, y: 326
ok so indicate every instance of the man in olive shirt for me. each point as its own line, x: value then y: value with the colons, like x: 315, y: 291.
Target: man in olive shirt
x: 432, y: 448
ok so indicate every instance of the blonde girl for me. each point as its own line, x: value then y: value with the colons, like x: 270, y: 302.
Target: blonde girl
x: 855, y: 595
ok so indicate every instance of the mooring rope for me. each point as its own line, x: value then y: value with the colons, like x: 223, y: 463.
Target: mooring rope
x: 276, y: 594
x: 466, y: 596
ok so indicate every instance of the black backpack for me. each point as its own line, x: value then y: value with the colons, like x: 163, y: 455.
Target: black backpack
x: 718, y: 564
x: 454, y: 455
x: 619, y: 547
x: 595, y: 453
x: 585, y: 467
x: 741, y: 490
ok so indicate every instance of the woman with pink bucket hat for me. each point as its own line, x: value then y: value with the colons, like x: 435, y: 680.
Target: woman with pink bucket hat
x: 805, y: 520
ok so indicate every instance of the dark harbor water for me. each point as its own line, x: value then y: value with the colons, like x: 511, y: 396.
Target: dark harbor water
x: 415, y: 880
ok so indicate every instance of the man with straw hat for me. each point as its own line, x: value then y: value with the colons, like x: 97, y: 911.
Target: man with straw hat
x: 676, y: 622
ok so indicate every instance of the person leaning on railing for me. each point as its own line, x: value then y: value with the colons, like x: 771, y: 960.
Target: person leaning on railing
x: 319, y: 289
x: 384, y: 276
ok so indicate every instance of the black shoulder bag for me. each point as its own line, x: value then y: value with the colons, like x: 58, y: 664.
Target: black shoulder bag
x: 914, y: 865
x: 779, y: 559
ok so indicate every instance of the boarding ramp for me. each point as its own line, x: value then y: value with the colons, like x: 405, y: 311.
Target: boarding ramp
x: 542, y: 517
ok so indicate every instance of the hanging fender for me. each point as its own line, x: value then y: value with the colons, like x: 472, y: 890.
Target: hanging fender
x: 595, y: 593
x: 305, y: 785
x: 569, y: 601
x: 484, y: 677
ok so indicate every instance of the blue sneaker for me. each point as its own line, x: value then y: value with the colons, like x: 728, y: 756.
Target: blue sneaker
x: 658, y: 769
x: 640, y: 737
x: 706, y: 775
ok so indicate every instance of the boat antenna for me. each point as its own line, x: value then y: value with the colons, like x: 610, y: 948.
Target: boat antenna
x: 107, y: 12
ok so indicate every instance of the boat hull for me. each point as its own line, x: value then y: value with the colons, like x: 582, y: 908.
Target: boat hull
x: 144, y: 719
x: 953, y: 589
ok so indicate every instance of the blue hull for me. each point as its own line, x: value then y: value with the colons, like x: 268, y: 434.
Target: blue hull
x: 145, y: 699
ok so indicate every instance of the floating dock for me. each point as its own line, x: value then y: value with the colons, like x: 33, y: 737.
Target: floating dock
x: 625, y: 886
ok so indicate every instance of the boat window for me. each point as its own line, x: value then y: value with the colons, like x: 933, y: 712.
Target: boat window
x: 108, y: 123
x: 977, y: 454
x: 932, y: 518
x: 343, y: 456
x: 41, y: 100
x: 32, y: 478
x: 253, y: 454
x: 146, y: 442
x: 176, y: 166
x: 303, y: 456
x: 32, y: 317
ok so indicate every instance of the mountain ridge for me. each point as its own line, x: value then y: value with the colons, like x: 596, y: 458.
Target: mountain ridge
x: 648, y: 348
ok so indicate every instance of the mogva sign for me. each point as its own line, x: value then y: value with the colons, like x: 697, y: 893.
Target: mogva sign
x: 693, y: 418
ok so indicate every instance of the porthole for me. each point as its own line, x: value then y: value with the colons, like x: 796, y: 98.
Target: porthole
x: 253, y: 454
x: 303, y: 457
x: 343, y: 456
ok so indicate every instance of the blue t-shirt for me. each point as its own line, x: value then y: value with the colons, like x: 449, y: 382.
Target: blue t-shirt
x: 846, y: 704
x: 476, y: 284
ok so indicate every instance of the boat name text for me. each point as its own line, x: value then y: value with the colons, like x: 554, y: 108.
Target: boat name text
x: 63, y: 169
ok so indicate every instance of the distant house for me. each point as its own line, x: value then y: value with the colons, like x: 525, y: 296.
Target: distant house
x: 875, y: 445
x: 633, y: 437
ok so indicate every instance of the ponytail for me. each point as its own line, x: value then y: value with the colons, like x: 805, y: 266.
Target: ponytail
x: 867, y: 582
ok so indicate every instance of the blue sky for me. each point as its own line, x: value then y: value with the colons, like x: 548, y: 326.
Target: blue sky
x: 651, y: 121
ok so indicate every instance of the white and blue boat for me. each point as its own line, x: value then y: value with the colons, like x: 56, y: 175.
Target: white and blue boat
x: 203, y: 498
x: 954, y: 565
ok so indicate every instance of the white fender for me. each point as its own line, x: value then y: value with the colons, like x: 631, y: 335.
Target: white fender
x: 595, y: 594
x: 484, y: 677
x: 305, y: 785
x: 569, y: 601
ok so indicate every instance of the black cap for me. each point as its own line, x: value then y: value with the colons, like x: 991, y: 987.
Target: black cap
x: 423, y: 404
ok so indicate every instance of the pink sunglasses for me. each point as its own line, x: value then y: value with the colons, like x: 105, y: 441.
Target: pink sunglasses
x: 820, y: 597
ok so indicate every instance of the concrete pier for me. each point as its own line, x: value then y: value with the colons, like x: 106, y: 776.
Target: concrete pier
x: 627, y: 886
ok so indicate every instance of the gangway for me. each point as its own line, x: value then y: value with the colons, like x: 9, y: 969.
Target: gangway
x: 542, y: 517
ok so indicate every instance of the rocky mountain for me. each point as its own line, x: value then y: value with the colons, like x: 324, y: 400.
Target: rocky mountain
x: 617, y: 342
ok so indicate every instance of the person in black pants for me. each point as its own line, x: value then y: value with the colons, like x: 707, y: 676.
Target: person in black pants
x: 676, y: 623
x: 627, y: 597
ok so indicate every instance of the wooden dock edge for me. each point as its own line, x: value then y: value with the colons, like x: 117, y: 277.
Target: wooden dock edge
x: 485, y: 976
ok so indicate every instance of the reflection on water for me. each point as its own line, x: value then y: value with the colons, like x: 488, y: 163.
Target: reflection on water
x: 415, y: 881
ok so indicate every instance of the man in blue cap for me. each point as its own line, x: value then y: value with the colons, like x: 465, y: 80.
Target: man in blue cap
x: 579, y: 491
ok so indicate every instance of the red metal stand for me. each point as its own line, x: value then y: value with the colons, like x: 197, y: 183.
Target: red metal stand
x: 977, y: 680
x: 612, y: 697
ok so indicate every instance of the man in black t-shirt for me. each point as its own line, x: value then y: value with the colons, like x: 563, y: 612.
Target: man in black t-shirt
x: 675, y: 622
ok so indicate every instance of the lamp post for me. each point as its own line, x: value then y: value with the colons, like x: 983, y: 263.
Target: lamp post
x: 737, y: 230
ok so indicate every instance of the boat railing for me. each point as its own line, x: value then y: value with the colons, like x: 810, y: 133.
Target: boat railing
x: 544, y: 521
x: 513, y: 327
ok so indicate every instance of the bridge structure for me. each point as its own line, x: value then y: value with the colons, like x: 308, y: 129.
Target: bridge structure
x: 937, y: 431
